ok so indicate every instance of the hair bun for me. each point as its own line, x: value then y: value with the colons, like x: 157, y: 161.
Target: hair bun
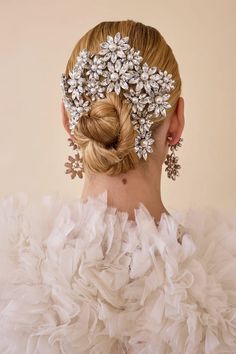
x: 103, y: 122
x: 106, y: 136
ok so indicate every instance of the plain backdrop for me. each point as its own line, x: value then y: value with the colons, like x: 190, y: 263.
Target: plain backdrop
x: 36, y: 40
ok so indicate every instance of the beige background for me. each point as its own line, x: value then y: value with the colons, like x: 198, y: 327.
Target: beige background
x: 36, y: 40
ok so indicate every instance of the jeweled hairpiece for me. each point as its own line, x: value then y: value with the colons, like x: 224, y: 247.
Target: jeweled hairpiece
x: 119, y: 68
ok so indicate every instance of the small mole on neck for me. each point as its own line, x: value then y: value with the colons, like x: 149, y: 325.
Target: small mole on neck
x: 124, y: 180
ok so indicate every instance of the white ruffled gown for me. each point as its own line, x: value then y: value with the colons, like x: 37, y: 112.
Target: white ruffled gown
x: 79, y: 277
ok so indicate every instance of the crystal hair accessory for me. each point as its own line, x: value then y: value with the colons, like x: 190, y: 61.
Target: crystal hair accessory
x: 119, y: 68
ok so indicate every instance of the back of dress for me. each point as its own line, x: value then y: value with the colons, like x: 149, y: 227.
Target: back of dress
x: 80, y: 277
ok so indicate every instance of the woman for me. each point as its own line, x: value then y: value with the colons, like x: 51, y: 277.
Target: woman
x: 114, y: 271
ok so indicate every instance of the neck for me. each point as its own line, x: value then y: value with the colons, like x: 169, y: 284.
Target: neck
x: 125, y: 191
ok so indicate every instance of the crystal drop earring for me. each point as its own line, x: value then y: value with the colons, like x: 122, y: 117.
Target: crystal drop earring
x: 171, y: 161
x: 74, y: 164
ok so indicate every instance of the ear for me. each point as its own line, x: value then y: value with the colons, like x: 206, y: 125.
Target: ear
x: 65, y: 119
x: 177, y: 122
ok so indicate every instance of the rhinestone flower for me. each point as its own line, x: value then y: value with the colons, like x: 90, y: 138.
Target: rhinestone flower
x: 138, y: 100
x: 96, y: 68
x: 160, y: 105
x: 143, y: 145
x: 114, y: 48
x: 116, y: 77
x: 165, y: 81
x: 82, y: 106
x: 77, y: 91
x: 141, y: 121
x: 95, y: 90
x: 82, y: 60
x: 73, y: 81
x: 146, y: 79
x: 133, y: 58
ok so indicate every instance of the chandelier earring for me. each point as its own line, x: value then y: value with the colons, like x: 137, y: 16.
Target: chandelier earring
x: 74, y: 164
x: 171, y: 161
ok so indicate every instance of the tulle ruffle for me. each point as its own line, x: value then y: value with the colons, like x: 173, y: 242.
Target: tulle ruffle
x: 79, y: 277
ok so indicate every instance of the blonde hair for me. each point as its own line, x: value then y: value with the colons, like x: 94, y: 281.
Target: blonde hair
x: 106, y: 134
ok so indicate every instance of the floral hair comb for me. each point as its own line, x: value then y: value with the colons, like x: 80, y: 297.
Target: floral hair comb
x: 119, y: 68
